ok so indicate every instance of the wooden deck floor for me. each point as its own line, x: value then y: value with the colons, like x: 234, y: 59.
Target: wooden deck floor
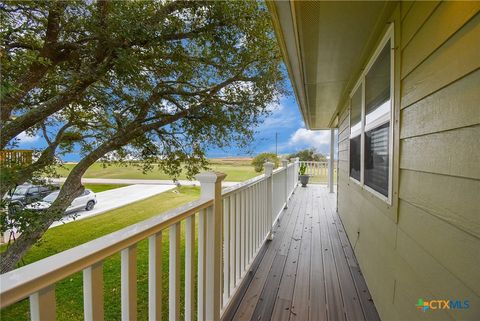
x: 308, y: 271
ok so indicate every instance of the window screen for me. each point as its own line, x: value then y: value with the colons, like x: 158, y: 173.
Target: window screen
x: 355, y: 146
x: 356, y: 110
x: 370, y: 124
x: 377, y: 158
x: 377, y: 87
x: 355, y: 133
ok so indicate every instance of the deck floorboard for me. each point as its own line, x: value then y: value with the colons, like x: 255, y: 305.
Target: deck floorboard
x: 309, y: 270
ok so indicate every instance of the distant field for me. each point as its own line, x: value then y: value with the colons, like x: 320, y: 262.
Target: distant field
x: 237, y: 170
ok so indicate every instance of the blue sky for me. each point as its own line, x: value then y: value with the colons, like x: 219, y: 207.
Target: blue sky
x: 285, y: 120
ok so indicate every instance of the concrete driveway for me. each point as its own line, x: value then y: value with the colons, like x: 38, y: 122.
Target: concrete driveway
x: 119, y: 197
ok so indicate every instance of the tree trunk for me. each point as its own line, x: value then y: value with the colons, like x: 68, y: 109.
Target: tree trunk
x: 73, y: 187
x: 69, y: 191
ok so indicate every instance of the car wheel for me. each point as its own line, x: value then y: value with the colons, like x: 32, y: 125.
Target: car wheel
x: 90, y: 205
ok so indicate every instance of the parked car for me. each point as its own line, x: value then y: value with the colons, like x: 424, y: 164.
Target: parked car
x: 27, y: 193
x: 86, y: 201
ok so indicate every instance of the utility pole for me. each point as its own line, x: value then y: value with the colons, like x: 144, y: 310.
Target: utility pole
x: 276, y: 143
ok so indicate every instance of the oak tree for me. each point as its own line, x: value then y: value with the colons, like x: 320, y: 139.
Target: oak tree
x: 154, y: 81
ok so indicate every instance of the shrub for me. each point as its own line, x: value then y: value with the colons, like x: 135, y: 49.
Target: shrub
x: 260, y: 159
x: 308, y: 155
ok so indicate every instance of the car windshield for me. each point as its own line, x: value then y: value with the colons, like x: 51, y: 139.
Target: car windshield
x: 21, y: 190
x: 50, y: 198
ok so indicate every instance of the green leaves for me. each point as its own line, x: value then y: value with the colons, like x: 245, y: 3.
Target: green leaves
x: 260, y: 160
x: 151, y: 82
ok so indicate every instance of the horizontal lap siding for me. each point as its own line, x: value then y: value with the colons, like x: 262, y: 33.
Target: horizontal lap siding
x: 456, y: 58
x: 444, y: 153
x: 443, y: 21
x: 439, y: 222
x: 431, y: 251
x: 439, y: 111
x: 373, y: 246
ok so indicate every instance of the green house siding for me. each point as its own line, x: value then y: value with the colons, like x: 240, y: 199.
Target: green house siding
x: 427, y: 243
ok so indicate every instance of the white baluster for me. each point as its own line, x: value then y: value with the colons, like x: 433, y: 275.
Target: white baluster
x: 189, y: 268
x: 155, y: 277
x: 285, y: 183
x: 93, y: 292
x: 233, y: 239
x: 268, y: 200
x: 174, y: 273
x: 238, y: 247
x: 242, y: 233
x: 201, y: 279
x: 129, y: 283
x: 42, y: 304
x: 226, y: 250
x: 250, y: 223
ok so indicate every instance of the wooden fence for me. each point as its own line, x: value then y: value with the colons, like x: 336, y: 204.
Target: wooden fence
x: 15, y: 158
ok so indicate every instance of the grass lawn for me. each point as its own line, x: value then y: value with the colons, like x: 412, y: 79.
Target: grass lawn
x: 237, y: 171
x: 69, y: 291
x: 97, y: 188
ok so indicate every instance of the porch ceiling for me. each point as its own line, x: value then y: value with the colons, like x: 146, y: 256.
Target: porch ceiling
x: 325, y: 44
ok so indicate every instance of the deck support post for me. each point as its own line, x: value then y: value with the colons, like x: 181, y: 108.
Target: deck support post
x: 211, y: 187
x: 285, y: 165
x: 268, y: 168
x: 330, y: 160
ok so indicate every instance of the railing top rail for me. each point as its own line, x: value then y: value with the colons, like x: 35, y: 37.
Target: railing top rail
x: 243, y: 185
x: 278, y: 170
x: 31, y: 278
x: 252, y: 181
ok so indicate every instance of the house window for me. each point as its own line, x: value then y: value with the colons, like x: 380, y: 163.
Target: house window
x: 355, y: 133
x: 370, y: 123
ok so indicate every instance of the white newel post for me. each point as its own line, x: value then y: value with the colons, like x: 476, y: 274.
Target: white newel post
x: 297, y: 168
x: 285, y: 165
x: 292, y: 179
x: 330, y: 160
x: 211, y: 187
x: 268, y: 167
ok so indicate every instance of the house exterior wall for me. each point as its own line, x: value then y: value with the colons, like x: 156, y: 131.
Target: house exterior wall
x: 426, y: 244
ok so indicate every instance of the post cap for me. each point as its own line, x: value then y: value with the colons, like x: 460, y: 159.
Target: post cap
x: 210, y: 177
x: 284, y: 162
x: 268, y: 165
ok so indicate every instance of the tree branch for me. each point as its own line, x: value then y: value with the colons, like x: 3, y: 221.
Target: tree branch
x: 37, y: 69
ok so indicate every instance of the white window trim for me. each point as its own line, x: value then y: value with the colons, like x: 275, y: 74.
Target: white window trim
x: 388, y: 36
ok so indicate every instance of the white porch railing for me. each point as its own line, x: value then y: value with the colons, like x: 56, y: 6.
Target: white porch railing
x: 232, y: 227
x: 316, y: 168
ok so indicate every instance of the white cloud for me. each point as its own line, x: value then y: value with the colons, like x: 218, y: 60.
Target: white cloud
x: 310, y: 138
x: 26, y: 138
x: 281, y: 116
